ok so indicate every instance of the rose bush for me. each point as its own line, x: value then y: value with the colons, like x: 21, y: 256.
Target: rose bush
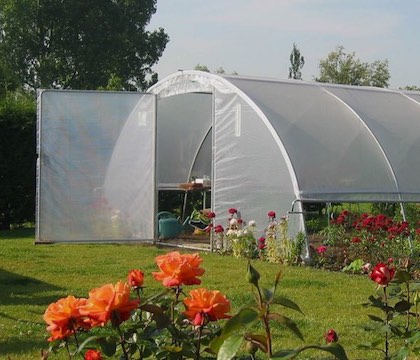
x: 366, y: 238
x: 398, y: 298
x: 160, y: 326
x: 173, y: 324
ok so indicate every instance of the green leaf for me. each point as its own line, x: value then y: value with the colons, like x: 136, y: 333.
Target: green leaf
x: 335, y: 349
x: 375, y: 302
x: 151, y: 308
x: 276, y: 281
x: 375, y: 318
x: 402, y: 353
x: 108, y: 345
x: 414, y: 338
x: 285, y: 354
x: 402, y: 306
x: 87, y: 341
x: 230, y: 347
x: 280, y: 300
x: 252, y: 275
x: 402, y: 276
x: 268, y: 295
x: 259, y: 340
x: 290, y: 324
x: 244, y: 318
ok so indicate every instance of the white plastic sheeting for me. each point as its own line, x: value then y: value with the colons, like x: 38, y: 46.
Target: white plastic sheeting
x: 276, y: 142
x: 266, y: 144
x: 96, y: 166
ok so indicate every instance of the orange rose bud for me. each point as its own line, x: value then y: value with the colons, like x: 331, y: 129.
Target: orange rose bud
x: 109, y: 302
x: 135, y: 278
x: 64, y: 318
x: 177, y: 269
x: 93, y: 355
x: 203, y: 305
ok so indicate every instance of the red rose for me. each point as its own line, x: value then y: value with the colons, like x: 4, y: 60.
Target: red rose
x: 382, y: 274
x: 271, y: 214
x: 211, y: 215
x: 219, y: 229
x: 93, y: 355
x: 321, y: 249
x: 331, y: 336
x: 232, y: 211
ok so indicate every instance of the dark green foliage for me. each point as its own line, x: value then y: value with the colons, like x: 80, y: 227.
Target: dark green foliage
x: 17, y: 159
x: 342, y: 68
x: 80, y: 44
x: 296, y: 64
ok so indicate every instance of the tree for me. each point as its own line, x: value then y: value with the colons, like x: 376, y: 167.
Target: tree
x: 17, y: 159
x: 297, y: 61
x: 219, y: 70
x: 200, y: 67
x: 80, y: 44
x: 342, y: 68
x: 411, y: 88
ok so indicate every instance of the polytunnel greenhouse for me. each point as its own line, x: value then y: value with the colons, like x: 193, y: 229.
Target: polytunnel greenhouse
x: 265, y: 144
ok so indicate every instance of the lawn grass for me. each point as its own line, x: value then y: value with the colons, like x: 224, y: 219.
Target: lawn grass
x: 33, y: 276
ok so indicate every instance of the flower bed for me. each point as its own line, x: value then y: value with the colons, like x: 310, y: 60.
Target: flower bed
x: 353, y: 240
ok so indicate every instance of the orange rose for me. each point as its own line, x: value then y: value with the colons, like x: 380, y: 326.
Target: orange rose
x: 177, y: 269
x: 109, y: 302
x: 135, y: 278
x: 204, y: 305
x: 64, y: 318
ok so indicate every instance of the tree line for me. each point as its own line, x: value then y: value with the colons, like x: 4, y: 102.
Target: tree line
x: 49, y: 44
x: 94, y: 45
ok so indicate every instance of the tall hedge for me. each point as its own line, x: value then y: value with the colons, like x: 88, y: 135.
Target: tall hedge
x: 17, y: 159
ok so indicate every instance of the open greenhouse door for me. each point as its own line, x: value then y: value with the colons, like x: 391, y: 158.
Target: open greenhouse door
x: 96, y: 166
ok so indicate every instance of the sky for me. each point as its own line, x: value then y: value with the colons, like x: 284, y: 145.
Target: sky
x: 255, y: 37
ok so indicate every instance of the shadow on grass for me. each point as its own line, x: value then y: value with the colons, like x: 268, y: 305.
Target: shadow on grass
x: 17, y: 233
x: 17, y: 289
x: 13, y: 347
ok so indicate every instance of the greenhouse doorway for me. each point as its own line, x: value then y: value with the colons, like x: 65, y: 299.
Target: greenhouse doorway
x: 184, y: 167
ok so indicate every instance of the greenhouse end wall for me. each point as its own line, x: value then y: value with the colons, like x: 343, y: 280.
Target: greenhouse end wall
x: 95, y: 176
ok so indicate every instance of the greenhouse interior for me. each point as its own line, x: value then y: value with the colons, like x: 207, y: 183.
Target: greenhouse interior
x: 258, y: 144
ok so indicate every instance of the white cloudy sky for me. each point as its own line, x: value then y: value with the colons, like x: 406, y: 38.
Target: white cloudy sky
x: 255, y: 37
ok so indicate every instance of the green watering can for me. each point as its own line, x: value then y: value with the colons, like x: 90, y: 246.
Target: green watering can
x: 168, y: 225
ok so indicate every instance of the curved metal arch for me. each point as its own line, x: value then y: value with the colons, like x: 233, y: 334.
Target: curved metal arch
x: 370, y: 132
x: 203, y: 139
x: 198, y: 81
